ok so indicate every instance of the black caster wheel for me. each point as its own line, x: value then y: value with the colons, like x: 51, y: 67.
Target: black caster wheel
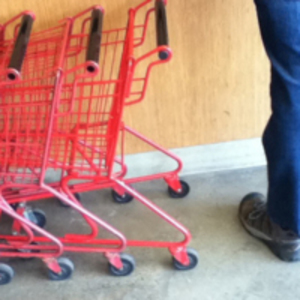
x: 184, y: 191
x: 6, y: 274
x: 38, y: 217
x: 194, y: 258
x: 126, y: 198
x: 64, y: 204
x: 78, y: 196
x: 14, y: 206
x: 128, y: 266
x: 67, y: 269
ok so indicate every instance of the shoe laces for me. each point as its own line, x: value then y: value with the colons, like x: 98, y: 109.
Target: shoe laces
x: 258, y: 211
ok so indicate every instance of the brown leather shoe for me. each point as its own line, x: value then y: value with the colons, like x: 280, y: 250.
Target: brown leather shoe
x: 253, y: 215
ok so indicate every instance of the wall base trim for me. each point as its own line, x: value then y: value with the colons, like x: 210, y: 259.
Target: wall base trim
x: 201, y: 159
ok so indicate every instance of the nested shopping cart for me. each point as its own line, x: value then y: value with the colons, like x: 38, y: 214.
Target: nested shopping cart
x: 72, y: 124
x: 135, y: 92
x: 27, y: 116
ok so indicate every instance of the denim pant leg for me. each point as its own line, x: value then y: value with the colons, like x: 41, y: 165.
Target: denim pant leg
x: 279, y: 22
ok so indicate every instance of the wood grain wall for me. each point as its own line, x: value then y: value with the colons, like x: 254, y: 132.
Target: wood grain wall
x: 216, y: 87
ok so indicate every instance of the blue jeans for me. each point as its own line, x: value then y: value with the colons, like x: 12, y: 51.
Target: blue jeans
x: 279, y: 22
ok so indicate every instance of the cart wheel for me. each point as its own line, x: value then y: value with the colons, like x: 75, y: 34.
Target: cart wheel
x: 6, y: 274
x: 38, y: 217
x: 126, y: 198
x: 184, y: 191
x: 67, y: 268
x: 128, y: 266
x: 14, y: 206
x: 64, y: 204
x: 194, y: 258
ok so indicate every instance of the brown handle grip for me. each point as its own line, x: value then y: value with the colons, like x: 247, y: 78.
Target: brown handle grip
x: 20, y: 47
x: 94, y: 43
x: 161, y: 28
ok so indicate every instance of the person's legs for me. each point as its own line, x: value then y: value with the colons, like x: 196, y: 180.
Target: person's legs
x: 280, y: 27
x: 279, y: 22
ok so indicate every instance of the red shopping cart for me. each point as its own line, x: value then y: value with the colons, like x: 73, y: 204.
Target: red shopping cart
x: 73, y: 123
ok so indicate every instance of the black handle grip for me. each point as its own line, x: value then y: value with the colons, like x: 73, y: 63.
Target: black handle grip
x: 94, y: 43
x: 161, y: 28
x: 20, y: 47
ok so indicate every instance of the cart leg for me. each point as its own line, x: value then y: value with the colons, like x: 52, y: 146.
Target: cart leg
x: 119, y: 190
x: 16, y: 227
x: 114, y: 259
x: 158, y: 148
x: 183, y: 258
x: 177, y: 187
x: 52, y: 264
x: 161, y: 213
x: 69, y: 199
x: 173, y: 182
x: 180, y: 254
x: 157, y: 210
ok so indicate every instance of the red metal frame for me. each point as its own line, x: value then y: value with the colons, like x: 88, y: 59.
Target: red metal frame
x: 82, y: 120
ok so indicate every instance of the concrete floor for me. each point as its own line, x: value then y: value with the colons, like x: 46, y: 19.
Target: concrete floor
x: 232, y: 266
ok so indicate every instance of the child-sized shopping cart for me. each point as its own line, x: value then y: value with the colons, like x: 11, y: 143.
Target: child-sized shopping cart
x: 71, y: 121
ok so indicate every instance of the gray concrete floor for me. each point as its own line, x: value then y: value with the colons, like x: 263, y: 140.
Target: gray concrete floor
x: 232, y: 266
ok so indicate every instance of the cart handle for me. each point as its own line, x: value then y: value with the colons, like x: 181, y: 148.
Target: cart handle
x: 162, y: 34
x: 94, y: 43
x: 20, y: 47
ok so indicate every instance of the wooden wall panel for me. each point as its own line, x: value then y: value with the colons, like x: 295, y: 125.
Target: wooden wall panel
x: 216, y: 87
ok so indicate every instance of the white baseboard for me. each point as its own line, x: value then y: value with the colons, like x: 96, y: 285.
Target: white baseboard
x: 201, y: 159
x: 198, y: 159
